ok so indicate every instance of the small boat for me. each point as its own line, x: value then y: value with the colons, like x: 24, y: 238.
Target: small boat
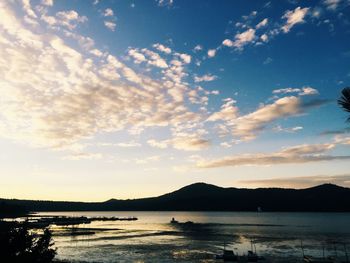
x: 252, y: 256
x: 173, y: 221
x: 227, y: 255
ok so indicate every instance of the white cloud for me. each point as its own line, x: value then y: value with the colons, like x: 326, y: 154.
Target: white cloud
x: 185, y: 57
x: 197, y: 48
x: 47, y: 2
x: 96, y: 52
x: 158, y: 144
x: 68, y: 19
x: 131, y: 144
x: 227, y: 43
x: 279, y: 128
x: 137, y: 56
x: 53, y: 95
x: 110, y: 25
x: 191, y: 143
x: 154, y: 59
x: 247, y: 126
x: 108, y: 12
x: 241, y: 39
x: 165, y: 2
x: 264, y: 37
x: 294, y: 17
x: 206, y: 78
x: 227, y: 112
x: 304, y: 91
x: 308, y: 91
x: 262, y: 23
x: 162, y: 48
x: 211, y: 53
x: 184, y: 142
x: 332, y: 4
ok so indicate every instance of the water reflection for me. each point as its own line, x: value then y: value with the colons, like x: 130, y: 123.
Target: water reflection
x: 153, y: 239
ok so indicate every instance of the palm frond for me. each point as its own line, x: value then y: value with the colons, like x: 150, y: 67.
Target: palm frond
x: 344, y: 100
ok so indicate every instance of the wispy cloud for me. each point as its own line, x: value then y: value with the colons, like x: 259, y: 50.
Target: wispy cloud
x: 110, y: 25
x: 294, y: 17
x: 162, y: 48
x: 108, y: 12
x: 247, y: 126
x: 205, y: 78
x: 293, y: 155
x: 299, y: 182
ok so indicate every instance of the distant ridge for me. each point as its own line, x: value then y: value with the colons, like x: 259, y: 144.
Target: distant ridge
x: 207, y: 197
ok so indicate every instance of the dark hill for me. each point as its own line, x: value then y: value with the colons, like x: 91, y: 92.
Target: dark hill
x: 206, y: 197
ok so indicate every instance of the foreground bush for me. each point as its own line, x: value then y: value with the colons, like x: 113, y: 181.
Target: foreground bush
x: 19, y: 245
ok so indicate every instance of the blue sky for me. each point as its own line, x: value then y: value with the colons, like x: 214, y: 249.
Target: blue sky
x: 126, y: 99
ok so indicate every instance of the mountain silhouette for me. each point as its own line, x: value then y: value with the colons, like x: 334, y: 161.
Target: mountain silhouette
x: 207, y: 197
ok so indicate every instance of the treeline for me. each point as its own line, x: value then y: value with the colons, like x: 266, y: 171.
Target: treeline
x: 204, y: 197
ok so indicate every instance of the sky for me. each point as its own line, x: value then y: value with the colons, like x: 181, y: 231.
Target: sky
x: 135, y: 98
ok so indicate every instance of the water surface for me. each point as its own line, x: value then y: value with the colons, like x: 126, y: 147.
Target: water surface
x: 152, y: 238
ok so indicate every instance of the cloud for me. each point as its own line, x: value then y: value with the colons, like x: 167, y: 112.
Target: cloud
x: 158, y: 144
x: 53, y: 95
x: 167, y: 3
x: 227, y: 112
x: 110, y: 25
x: 96, y: 52
x: 299, y: 154
x: 211, y: 53
x: 197, y: 48
x: 267, y: 61
x: 264, y: 37
x: 162, y: 48
x: 247, y: 126
x: 68, y: 19
x: 332, y: 4
x: 190, y: 143
x: 185, y: 142
x: 279, y: 128
x: 83, y: 156
x: 137, y: 56
x: 154, y: 59
x: 342, y: 139
x: 304, y: 91
x: 300, y: 182
x: 262, y: 23
x: 241, y: 39
x: 131, y: 144
x: 206, y: 78
x: 108, y: 12
x: 185, y: 57
x: 47, y: 2
x: 294, y: 17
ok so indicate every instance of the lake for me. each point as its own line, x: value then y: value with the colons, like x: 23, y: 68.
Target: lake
x: 152, y: 238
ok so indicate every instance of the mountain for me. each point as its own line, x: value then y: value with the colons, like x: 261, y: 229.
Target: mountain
x: 206, y: 197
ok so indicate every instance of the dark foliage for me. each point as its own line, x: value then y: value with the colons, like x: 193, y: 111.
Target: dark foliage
x: 11, y: 210
x: 19, y: 245
x: 344, y: 101
x: 205, y: 197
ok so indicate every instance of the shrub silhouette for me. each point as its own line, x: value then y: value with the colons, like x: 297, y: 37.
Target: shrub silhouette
x: 344, y: 101
x: 18, y: 244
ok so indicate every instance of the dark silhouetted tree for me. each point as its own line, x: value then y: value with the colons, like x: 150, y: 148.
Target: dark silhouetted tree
x: 19, y: 244
x: 344, y: 101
